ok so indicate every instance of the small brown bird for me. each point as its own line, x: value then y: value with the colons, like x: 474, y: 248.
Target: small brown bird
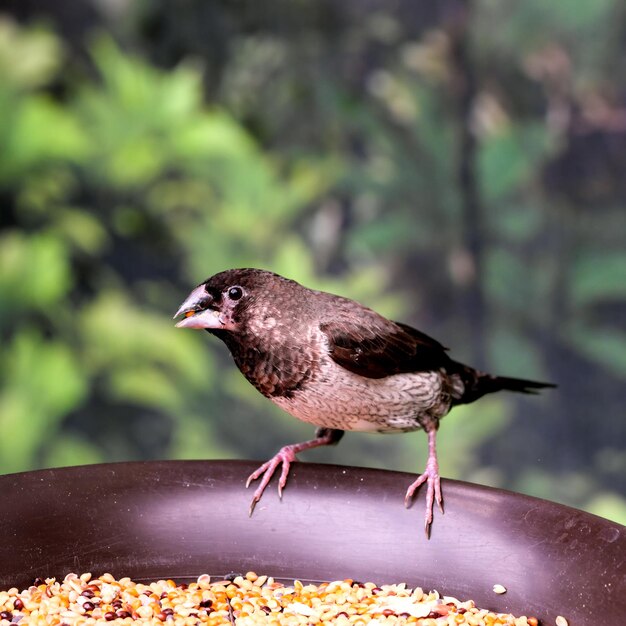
x: 337, y: 364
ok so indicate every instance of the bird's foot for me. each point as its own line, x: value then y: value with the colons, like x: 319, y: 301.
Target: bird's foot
x: 285, y: 456
x: 431, y: 477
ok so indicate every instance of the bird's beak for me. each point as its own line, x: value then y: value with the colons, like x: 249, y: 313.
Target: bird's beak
x: 197, y: 312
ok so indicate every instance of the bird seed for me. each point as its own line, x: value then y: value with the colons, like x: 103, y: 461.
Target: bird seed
x: 249, y: 600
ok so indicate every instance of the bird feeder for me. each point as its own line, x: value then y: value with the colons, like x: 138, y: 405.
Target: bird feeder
x: 178, y: 520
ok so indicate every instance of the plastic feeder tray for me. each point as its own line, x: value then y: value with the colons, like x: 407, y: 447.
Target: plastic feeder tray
x: 181, y: 519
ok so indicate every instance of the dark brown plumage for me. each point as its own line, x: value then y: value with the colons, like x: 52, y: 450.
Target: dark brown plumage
x: 334, y: 363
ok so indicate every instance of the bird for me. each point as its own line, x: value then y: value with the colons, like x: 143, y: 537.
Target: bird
x: 337, y: 364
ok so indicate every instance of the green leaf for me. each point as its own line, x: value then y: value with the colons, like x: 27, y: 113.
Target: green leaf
x: 606, y: 346
x: 213, y: 135
x: 511, y: 353
x: 597, y: 276
x: 82, y: 230
x: 507, y: 160
x: 517, y: 222
x: 42, y: 383
x: 608, y: 504
x: 195, y: 438
x: 467, y: 428
x: 147, y: 386
x: 29, y: 57
x: 119, y: 336
x: 37, y: 131
x: 571, y: 487
x: 35, y: 272
x: 66, y: 450
x: 506, y: 279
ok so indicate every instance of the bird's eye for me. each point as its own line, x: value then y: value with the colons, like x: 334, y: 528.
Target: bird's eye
x: 234, y: 293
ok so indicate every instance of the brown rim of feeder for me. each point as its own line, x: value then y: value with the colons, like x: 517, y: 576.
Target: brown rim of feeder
x: 180, y: 519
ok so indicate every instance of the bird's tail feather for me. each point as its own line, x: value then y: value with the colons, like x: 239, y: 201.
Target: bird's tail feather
x: 516, y: 384
x: 477, y: 384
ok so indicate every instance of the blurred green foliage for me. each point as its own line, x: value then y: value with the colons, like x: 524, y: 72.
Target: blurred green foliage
x: 440, y: 166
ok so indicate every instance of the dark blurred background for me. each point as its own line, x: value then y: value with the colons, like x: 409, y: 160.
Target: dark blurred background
x: 460, y: 166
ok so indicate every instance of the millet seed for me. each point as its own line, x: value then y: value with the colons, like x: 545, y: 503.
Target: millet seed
x: 248, y: 600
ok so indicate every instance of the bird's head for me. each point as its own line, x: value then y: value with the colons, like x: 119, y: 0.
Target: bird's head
x: 229, y: 300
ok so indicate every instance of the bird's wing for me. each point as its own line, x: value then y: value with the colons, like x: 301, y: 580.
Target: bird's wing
x: 375, y: 347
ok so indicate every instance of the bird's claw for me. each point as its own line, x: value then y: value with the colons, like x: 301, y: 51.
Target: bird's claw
x: 285, y: 456
x: 254, y: 475
x: 252, y: 505
x: 433, y: 493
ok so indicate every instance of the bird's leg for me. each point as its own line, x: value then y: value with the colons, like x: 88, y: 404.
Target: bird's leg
x: 430, y: 475
x: 287, y: 455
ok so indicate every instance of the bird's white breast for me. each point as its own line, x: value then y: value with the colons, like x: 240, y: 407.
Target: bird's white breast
x: 338, y: 398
